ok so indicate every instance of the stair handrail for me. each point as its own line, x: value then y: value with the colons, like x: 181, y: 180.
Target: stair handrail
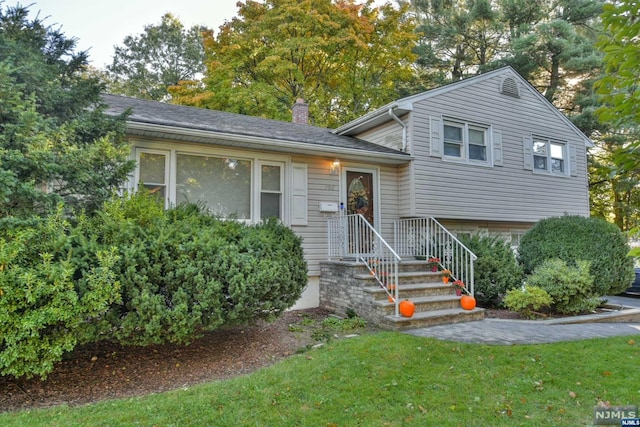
x: 427, y: 238
x: 352, y: 236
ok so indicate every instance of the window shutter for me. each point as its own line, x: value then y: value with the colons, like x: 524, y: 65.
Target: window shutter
x: 435, y: 141
x: 527, y: 148
x: 299, y: 194
x: 573, y: 161
x: 497, y: 148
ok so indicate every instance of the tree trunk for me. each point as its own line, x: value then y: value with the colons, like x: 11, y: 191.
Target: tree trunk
x: 554, y: 79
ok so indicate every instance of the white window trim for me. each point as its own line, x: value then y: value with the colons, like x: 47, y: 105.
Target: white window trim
x: 567, y: 158
x: 492, y: 139
x: 257, y: 194
x: 167, y: 171
x: 169, y: 150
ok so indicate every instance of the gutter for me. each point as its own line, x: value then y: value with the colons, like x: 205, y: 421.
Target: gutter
x: 404, y: 129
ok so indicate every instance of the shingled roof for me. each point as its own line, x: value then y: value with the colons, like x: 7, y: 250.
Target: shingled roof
x: 189, y: 124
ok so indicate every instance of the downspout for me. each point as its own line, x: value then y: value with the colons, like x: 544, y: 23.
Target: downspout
x: 404, y: 129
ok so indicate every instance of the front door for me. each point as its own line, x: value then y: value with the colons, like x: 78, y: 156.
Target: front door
x: 360, y: 199
x: 360, y: 191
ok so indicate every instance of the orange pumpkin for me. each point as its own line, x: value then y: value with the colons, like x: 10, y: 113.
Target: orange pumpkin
x: 407, y: 308
x: 468, y: 302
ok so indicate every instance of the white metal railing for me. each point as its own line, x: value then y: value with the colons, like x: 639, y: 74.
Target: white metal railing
x: 352, y: 237
x: 426, y: 237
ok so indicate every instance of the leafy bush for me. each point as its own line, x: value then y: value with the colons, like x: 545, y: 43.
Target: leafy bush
x: 495, y: 271
x: 573, y: 238
x: 45, y: 299
x: 184, y: 272
x: 571, y: 287
x: 527, y: 300
x: 137, y: 274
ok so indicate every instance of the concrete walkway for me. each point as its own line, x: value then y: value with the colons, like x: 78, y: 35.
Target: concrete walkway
x: 510, y: 332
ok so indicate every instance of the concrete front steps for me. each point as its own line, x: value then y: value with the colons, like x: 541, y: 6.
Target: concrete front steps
x: 436, y: 303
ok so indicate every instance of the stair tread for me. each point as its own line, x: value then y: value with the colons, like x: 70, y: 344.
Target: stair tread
x: 402, y: 274
x: 421, y: 300
x: 410, y: 287
x: 423, y: 315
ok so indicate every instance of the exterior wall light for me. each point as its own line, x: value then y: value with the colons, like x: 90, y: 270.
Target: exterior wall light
x: 335, y: 167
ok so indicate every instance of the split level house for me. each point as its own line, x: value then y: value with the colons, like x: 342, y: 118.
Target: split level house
x: 376, y: 197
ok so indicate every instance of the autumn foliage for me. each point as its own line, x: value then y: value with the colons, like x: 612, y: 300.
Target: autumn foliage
x: 343, y: 58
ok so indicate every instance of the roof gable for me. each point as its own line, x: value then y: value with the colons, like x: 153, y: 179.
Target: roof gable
x: 404, y: 105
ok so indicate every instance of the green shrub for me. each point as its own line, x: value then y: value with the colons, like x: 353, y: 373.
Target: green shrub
x: 527, y: 300
x: 45, y: 300
x: 495, y: 271
x: 137, y: 274
x: 571, y: 287
x: 572, y: 238
x: 184, y: 272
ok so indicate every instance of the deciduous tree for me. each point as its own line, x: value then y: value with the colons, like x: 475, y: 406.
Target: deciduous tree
x: 146, y: 65
x: 344, y: 59
x: 620, y: 95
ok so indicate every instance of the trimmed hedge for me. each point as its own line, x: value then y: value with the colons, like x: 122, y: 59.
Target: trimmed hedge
x: 184, y: 272
x: 137, y: 274
x: 573, y: 238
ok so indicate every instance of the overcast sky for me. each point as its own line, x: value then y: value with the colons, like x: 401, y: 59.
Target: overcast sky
x: 99, y: 25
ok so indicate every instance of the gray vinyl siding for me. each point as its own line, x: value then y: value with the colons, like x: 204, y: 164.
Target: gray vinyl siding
x: 388, y: 135
x: 324, y: 187
x: 389, y: 200
x: 501, y: 193
x: 406, y: 189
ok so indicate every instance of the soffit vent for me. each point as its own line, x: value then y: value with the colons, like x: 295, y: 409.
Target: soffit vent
x: 510, y: 87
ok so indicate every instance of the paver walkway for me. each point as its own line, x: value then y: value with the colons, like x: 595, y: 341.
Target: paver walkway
x: 509, y: 332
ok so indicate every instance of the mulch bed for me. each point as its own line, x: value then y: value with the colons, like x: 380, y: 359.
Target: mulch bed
x: 109, y: 371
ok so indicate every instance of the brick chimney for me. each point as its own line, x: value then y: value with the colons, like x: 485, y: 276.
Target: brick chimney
x: 300, y: 112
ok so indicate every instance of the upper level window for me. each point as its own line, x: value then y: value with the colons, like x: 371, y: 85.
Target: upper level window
x: 465, y: 141
x: 549, y: 155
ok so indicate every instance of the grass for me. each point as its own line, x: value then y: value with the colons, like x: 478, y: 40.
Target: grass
x: 391, y: 379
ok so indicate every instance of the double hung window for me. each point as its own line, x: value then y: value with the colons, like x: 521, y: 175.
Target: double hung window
x: 465, y: 141
x: 153, y: 172
x: 549, y: 156
x: 270, y: 190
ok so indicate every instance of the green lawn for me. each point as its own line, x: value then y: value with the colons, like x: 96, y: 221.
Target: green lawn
x: 391, y: 379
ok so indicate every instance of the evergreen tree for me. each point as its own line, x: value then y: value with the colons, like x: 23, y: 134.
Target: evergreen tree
x: 55, y: 142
